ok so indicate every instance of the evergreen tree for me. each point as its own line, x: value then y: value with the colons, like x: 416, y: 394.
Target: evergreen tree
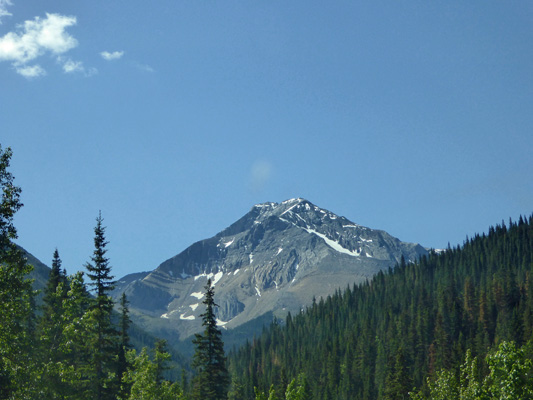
x: 125, y: 322
x: 55, y: 293
x: 99, y: 271
x: 161, y: 358
x: 212, y: 379
x: 50, y: 331
x: 76, y: 370
x: 55, y: 277
x: 103, y: 341
x: 399, y: 382
x: 15, y: 290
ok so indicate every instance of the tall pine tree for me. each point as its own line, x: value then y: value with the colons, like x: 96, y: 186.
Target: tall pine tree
x: 104, y: 338
x: 50, y: 331
x: 122, y: 362
x: 55, y: 293
x: 212, y: 379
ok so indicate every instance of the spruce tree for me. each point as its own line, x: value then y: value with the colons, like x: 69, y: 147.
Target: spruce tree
x: 50, y: 329
x: 99, y: 272
x: 399, y: 382
x: 56, y: 276
x: 122, y: 362
x: 212, y: 379
x: 53, y: 304
x: 104, y: 338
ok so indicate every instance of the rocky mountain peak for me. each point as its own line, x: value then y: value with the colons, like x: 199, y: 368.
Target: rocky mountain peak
x: 274, y: 259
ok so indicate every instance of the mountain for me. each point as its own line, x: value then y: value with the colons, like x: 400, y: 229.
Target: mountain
x: 40, y: 271
x: 275, y: 259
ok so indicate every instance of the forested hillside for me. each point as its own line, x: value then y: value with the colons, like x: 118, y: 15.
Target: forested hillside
x: 382, y: 339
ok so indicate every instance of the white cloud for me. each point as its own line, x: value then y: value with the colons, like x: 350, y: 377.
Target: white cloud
x: 3, y: 9
x: 72, y: 66
x: 29, y: 72
x: 35, y: 38
x: 106, y: 55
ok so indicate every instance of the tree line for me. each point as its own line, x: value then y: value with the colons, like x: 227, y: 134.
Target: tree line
x: 410, y: 330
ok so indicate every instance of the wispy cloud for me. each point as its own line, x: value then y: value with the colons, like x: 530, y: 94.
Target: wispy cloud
x: 35, y: 38
x: 29, y: 72
x: 72, y: 67
x: 106, y: 55
x: 3, y: 9
x: 144, y: 67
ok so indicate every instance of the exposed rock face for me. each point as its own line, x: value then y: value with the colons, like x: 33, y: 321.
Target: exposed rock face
x: 274, y: 259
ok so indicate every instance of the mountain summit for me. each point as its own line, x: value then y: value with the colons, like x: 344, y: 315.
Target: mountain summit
x: 275, y: 259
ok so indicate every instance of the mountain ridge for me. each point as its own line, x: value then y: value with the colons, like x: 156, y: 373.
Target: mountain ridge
x: 275, y: 258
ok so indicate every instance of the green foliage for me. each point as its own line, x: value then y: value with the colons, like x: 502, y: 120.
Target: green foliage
x: 298, y: 389
x: 15, y: 292
x: 399, y: 382
x: 509, y: 378
x: 103, y: 337
x: 510, y: 374
x: 144, y: 381
x: 99, y: 271
x: 124, y: 345
x: 212, y: 379
x: 262, y: 396
x: 51, y: 326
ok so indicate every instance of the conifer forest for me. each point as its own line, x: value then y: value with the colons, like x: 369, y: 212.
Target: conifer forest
x: 457, y: 324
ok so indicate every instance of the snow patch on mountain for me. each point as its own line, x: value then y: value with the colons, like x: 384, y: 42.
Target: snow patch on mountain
x: 218, y: 276
x: 167, y: 315
x: 187, y: 318
x: 214, y: 277
x: 333, y: 244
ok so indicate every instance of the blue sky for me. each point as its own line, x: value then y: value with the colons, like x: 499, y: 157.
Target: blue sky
x: 175, y: 117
